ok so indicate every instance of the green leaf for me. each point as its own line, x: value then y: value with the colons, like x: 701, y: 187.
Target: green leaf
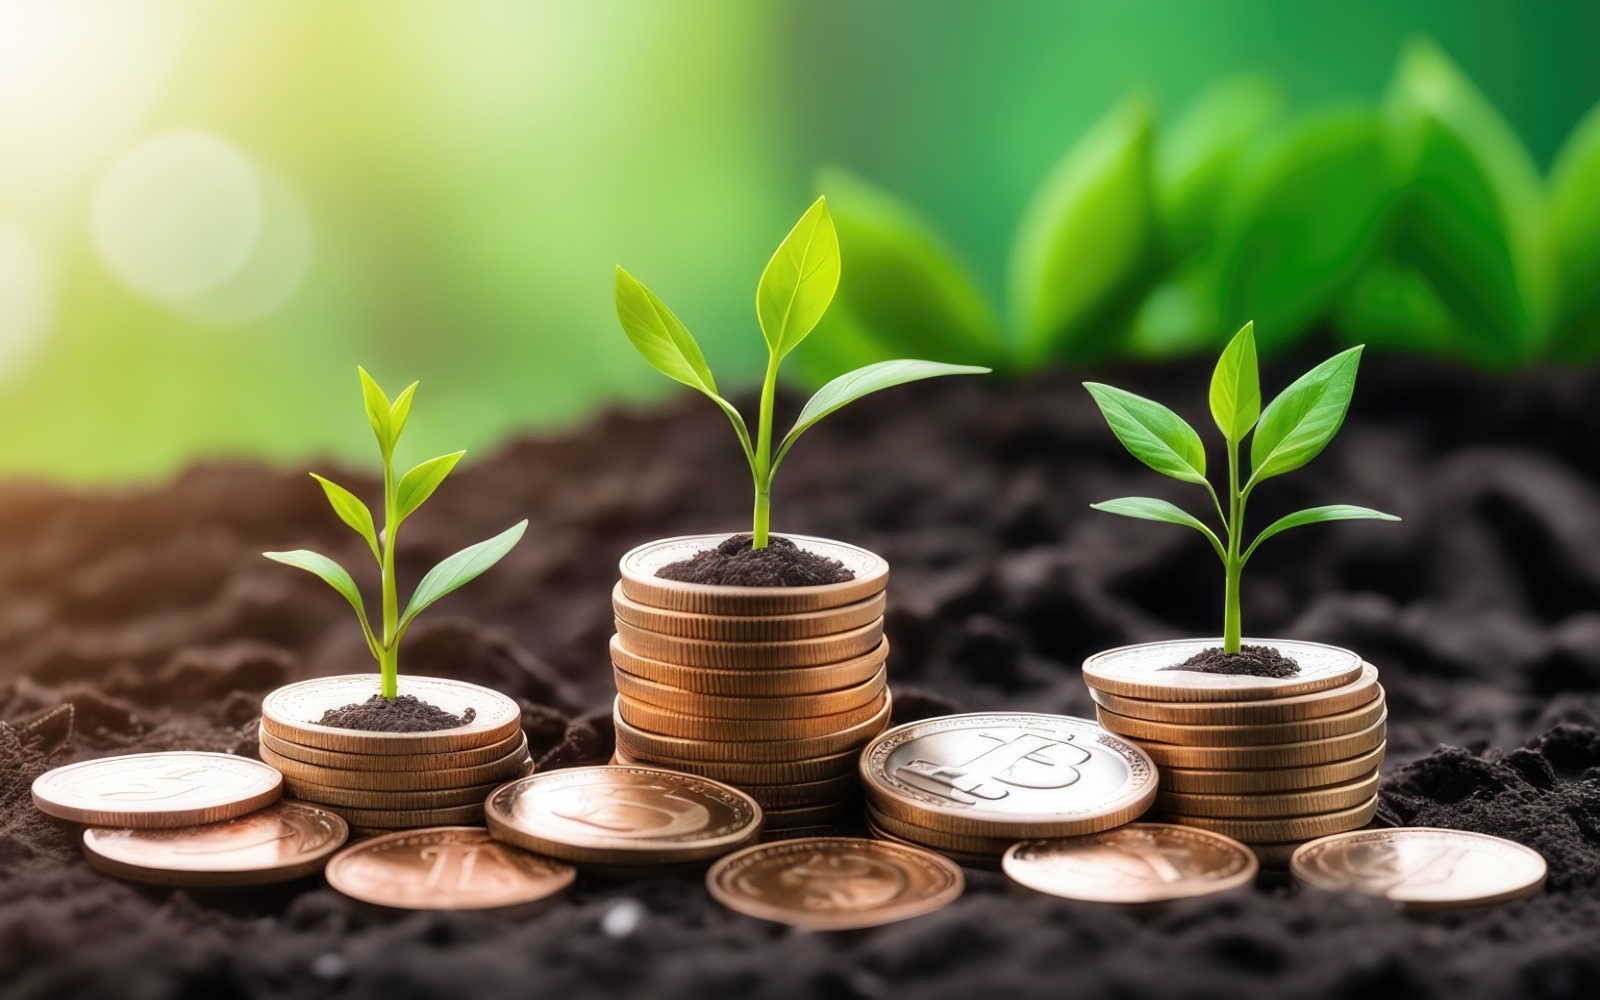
x: 1393, y: 306
x: 461, y: 568
x: 1082, y: 259
x: 1317, y: 515
x: 1297, y: 425
x: 1236, y: 387
x: 1197, y: 158
x: 1151, y: 509
x: 660, y: 336
x: 399, y: 412
x: 352, y: 512
x: 1154, y: 434
x: 378, y: 410
x: 1575, y: 241
x: 799, y: 280
x: 419, y: 484
x: 334, y: 576
x: 852, y: 386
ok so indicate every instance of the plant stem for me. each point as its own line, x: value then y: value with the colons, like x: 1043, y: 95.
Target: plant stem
x: 763, y: 469
x: 763, y: 517
x: 1233, y: 565
x: 388, y: 663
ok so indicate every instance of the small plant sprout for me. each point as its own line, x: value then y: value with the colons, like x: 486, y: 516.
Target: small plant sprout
x: 400, y: 499
x: 795, y: 290
x: 1291, y: 431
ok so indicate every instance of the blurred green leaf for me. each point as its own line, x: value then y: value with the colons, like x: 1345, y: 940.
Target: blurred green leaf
x: 839, y: 344
x: 1197, y: 156
x: 352, y: 512
x: 377, y: 404
x: 461, y: 568
x: 334, y: 576
x: 1394, y: 307
x: 1152, y: 509
x: 1179, y: 316
x: 799, y: 280
x: 1318, y: 515
x: 1236, y: 387
x: 1297, y: 425
x: 1575, y: 240
x: 418, y: 484
x: 1152, y: 433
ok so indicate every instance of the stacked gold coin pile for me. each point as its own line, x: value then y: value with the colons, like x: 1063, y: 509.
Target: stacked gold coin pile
x: 773, y: 690
x: 1270, y: 761
x: 382, y: 781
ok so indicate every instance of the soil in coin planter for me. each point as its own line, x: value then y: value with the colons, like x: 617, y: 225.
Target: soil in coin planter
x: 405, y: 714
x: 733, y: 563
x: 1254, y: 661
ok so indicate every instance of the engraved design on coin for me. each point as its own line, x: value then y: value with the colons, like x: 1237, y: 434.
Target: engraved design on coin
x: 1140, y: 862
x: 171, y: 788
x: 1422, y: 867
x: 284, y: 841
x: 639, y: 810
x: 836, y: 882
x: 445, y: 868
x: 1018, y: 760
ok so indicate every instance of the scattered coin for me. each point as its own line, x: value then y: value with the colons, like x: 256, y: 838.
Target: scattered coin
x: 401, y: 781
x: 1247, y: 734
x: 751, y: 655
x: 341, y: 761
x: 290, y: 713
x: 157, y: 790
x: 1282, y: 779
x: 640, y: 583
x: 1240, y: 713
x: 1422, y: 868
x: 834, y: 883
x: 697, y: 727
x: 636, y: 742
x: 285, y: 841
x: 665, y: 697
x: 1137, y: 863
x: 449, y: 868
x: 1328, y: 798
x: 744, y: 774
x: 769, y: 682
x: 1142, y: 671
x: 1278, y: 755
x: 1288, y: 828
x: 748, y: 628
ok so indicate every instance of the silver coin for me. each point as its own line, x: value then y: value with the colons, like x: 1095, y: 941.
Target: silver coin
x: 1147, y: 671
x: 1421, y: 868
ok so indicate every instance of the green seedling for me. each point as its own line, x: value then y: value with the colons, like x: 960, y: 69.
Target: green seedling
x: 1291, y: 431
x: 795, y: 290
x: 400, y: 500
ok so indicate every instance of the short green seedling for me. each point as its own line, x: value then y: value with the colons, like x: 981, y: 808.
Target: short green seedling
x: 794, y: 292
x: 400, y: 500
x: 1291, y: 431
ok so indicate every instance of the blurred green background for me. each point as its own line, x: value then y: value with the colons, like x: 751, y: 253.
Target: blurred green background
x: 210, y: 213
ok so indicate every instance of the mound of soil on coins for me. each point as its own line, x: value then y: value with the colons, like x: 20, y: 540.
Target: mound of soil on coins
x: 780, y: 563
x: 1254, y: 661
x: 405, y: 714
x: 145, y: 619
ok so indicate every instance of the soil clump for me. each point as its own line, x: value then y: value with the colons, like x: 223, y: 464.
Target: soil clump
x: 1253, y: 661
x: 405, y: 714
x: 733, y: 563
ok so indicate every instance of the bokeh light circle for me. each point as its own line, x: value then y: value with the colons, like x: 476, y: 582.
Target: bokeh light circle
x: 26, y: 298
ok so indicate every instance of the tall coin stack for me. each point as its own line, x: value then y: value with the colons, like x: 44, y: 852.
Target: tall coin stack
x: 381, y: 781
x: 773, y: 690
x: 1270, y: 761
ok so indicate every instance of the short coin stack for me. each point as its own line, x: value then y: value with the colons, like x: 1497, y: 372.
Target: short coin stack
x: 773, y: 690
x: 381, y: 781
x: 1270, y: 761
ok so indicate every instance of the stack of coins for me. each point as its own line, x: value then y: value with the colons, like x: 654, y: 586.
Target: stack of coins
x: 381, y: 781
x: 773, y: 690
x: 1270, y: 761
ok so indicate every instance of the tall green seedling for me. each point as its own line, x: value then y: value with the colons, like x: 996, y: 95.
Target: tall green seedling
x: 1291, y: 431
x: 401, y: 498
x: 794, y: 292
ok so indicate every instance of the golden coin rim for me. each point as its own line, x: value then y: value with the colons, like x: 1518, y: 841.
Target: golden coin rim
x: 767, y: 682
x: 1269, y: 831
x: 152, y: 819
x: 1300, y: 707
x: 941, y: 840
x: 1254, y: 734
x: 760, y: 751
x: 637, y: 568
x: 95, y: 853
x: 406, y: 819
x: 1298, y: 866
x: 748, y: 628
x: 779, y: 819
x: 803, y: 793
x: 560, y: 879
x: 1017, y: 866
x: 666, y: 698
x: 345, y: 761
x: 764, y: 655
x: 475, y: 734
x: 1326, y: 798
x: 360, y: 798
x: 1270, y: 756
x: 399, y: 781
x: 1216, y: 687
x: 1223, y: 781
x: 988, y: 862
x: 662, y: 722
x: 772, y: 773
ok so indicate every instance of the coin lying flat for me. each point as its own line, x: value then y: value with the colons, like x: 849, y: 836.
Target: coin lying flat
x: 1281, y: 779
x: 748, y: 628
x: 640, y: 583
x: 342, y: 761
x: 1137, y: 863
x: 939, y: 840
x: 445, y: 868
x: 157, y: 790
x: 290, y: 713
x: 664, y: 722
x: 743, y: 774
x: 813, y: 652
x: 623, y: 815
x: 285, y: 841
x: 1008, y: 774
x: 809, y: 793
x: 665, y: 697
x: 1331, y: 701
x: 1249, y: 734
x: 834, y: 883
x: 363, y: 799
x: 1275, y: 755
x: 1328, y: 798
x: 1266, y: 831
x: 636, y: 742
x: 401, y: 781
x: 1422, y: 868
x: 1142, y: 671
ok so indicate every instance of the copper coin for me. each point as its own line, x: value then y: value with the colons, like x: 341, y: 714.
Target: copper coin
x: 362, y: 799
x: 1266, y: 831
x: 409, y: 819
x: 1279, y: 755
x: 157, y: 790
x: 769, y: 682
x: 285, y: 841
x: 635, y: 741
x: 1148, y: 671
x: 1281, y: 779
x: 1137, y: 863
x: 1422, y: 868
x: 1329, y: 798
x: 768, y: 655
x: 1241, y: 713
x: 445, y: 868
x: 939, y: 840
x: 390, y: 761
x: 744, y: 774
x: 988, y: 862
x: 664, y: 722
x: 401, y: 781
x: 780, y: 819
x: 673, y: 699
x: 748, y: 628
x: 1246, y: 734
x: 640, y: 583
x: 290, y: 713
x: 809, y: 793
x: 834, y: 883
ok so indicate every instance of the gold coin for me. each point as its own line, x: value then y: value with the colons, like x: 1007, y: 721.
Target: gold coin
x: 1422, y: 868
x: 1275, y: 856
x: 284, y: 841
x: 1268, y: 831
x: 1271, y: 756
x: 409, y: 819
x: 673, y: 699
x: 401, y: 781
x: 696, y: 727
x: 940, y: 840
x: 751, y: 655
x: 1259, y: 734
x: 1008, y: 774
x: 809, y: 793
x: 745, y: 775
x: 834, y: 883
x: 832, y: 812
x: 634, y: 742
x: 363, y: 799
x: 1148, y: 671
x: 623, y: 815
x: 640, y: 583
x: 1330, y: 798
x: 1247, y: 713
x: 290, y: 713
x: 1137, y: 863
x: 157, y: 790
x: 445, y: 868
x: 841, y: 829
x: 390, y: 761
x: 989, y: 862
x: 768, y: 682
x: 1281, y: 779
x: 748, y: 628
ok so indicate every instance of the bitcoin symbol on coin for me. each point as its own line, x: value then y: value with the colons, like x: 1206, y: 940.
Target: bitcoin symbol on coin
x: 1027, y: 760
x: 845, y: 882
x: 648, y: 810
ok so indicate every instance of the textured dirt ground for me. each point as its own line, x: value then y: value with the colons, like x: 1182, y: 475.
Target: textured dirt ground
x: 152, y: 615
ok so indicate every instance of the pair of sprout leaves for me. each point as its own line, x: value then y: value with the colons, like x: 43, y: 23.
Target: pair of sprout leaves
x: 400, y: 500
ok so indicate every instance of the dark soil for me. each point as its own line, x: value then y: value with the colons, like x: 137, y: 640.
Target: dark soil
x: 1255, y: 661
x: 405, y: 714
x: 733, y: 563
x: 146, y: 619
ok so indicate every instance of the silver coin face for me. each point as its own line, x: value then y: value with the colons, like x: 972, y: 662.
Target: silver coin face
x: 1011, y: 766
x: 1421, y: 867
x: 299, y: 706
x: 1136, y: 863
x: 1147, y: 670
